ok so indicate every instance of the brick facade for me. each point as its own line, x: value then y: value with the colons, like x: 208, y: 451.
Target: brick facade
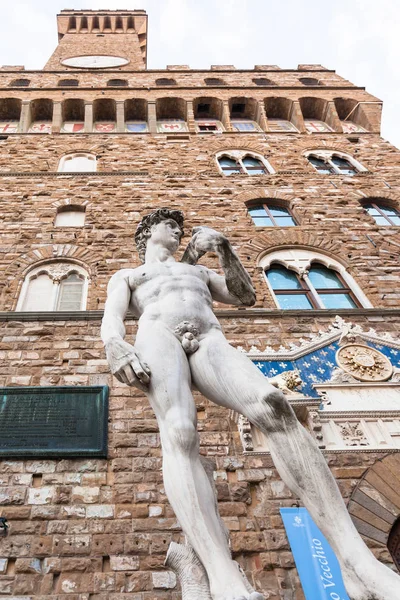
x: 100, y: 529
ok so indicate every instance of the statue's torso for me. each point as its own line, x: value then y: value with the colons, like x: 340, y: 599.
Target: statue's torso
x: 171, y: 292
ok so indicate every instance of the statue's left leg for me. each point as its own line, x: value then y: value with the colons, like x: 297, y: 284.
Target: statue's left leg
x: 229, y: 378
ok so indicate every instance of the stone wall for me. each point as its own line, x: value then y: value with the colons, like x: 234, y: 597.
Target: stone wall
x: 102, y: 527
x: 184, y: 173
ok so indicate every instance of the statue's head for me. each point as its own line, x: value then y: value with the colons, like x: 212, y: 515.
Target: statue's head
x: 148, y: 226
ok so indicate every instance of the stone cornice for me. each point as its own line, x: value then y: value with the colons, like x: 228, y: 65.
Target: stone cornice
x: 212, y: 72
x: 178, y: 87
x: 207, y: 174
x: 239, y: 313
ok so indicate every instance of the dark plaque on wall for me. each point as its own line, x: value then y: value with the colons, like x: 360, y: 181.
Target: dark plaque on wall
x: 68, y: 421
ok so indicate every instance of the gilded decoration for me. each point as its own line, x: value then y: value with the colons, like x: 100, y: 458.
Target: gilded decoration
x: 364, y: 363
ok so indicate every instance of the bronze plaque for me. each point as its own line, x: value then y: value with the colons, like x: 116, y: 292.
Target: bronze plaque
x: 68, y: 421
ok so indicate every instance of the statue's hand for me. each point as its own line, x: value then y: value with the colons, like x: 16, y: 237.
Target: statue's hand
x: 126, y: 364
x: 206, y: 239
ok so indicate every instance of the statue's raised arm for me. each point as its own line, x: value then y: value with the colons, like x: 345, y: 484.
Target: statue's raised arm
x: 235, y: 287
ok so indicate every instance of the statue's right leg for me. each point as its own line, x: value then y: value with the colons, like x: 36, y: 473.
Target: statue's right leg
x: 229, y: 378
x: 186, y: 483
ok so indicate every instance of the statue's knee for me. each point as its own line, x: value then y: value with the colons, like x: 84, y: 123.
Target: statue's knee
x: 274, y: 411
x: 182, y: 435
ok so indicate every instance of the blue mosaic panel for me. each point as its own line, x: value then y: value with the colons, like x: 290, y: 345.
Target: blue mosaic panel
x: 317, y: 366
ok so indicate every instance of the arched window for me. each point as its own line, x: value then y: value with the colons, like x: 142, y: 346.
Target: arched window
x: 306, y: 280
x: 382, y: 215
x: 393, y: 543
x: 309, y: 81
x: 68, y: 83
x: 267, y: 214
x: 262, y: 81
x: 214, y: 81
x: 54, y: 286
x: 328, y: 162
x: 70, y: 216
x: 117, y: 83
x: 236, y: 162
x: 78, y: 163
x: 165, y: 81
x: 20, y: 83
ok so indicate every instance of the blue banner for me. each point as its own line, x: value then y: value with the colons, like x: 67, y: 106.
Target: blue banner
x: 316, y: 563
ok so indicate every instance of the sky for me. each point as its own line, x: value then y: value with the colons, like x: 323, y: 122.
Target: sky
x: 360, y: 39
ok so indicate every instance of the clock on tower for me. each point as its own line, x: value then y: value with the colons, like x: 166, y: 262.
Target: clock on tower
x: 108, y: 39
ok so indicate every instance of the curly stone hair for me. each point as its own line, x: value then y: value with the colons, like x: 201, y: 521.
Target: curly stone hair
x: 143, y: 229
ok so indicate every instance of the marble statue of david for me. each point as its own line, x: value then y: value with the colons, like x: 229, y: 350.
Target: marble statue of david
x: 180, y: 345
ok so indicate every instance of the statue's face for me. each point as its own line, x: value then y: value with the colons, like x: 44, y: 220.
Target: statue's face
x: 166, y: 233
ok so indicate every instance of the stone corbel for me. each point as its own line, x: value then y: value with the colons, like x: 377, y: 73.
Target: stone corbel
x: 316, y: 428
x: 25, y: 119
x: 226, y: 120
x: 152, y: 116
x: 88, y: 127
x: 120, y: 116
x: 190, y: 116
x: 245, y: 433
x: 57, y: 117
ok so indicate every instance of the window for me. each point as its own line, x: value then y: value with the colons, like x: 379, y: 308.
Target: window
x: 70, y: 216
x: 117, y: 83
x: 332, y: 163
x: 214, y: 81
x: 306, y: 280
x: 309, y: 81
x: 68, y: 83
x: 383, y: 215
x: 20, y: 83
x: 70, y: 292
x: 261, y: 81
x: 253, y: 166
x: 321, y: 288
x: 54, y: 287
x: 165, y: 81
x: 229, y: 166
x: 77, y: 163
x: 269, y: 215
x: 237, y: 162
